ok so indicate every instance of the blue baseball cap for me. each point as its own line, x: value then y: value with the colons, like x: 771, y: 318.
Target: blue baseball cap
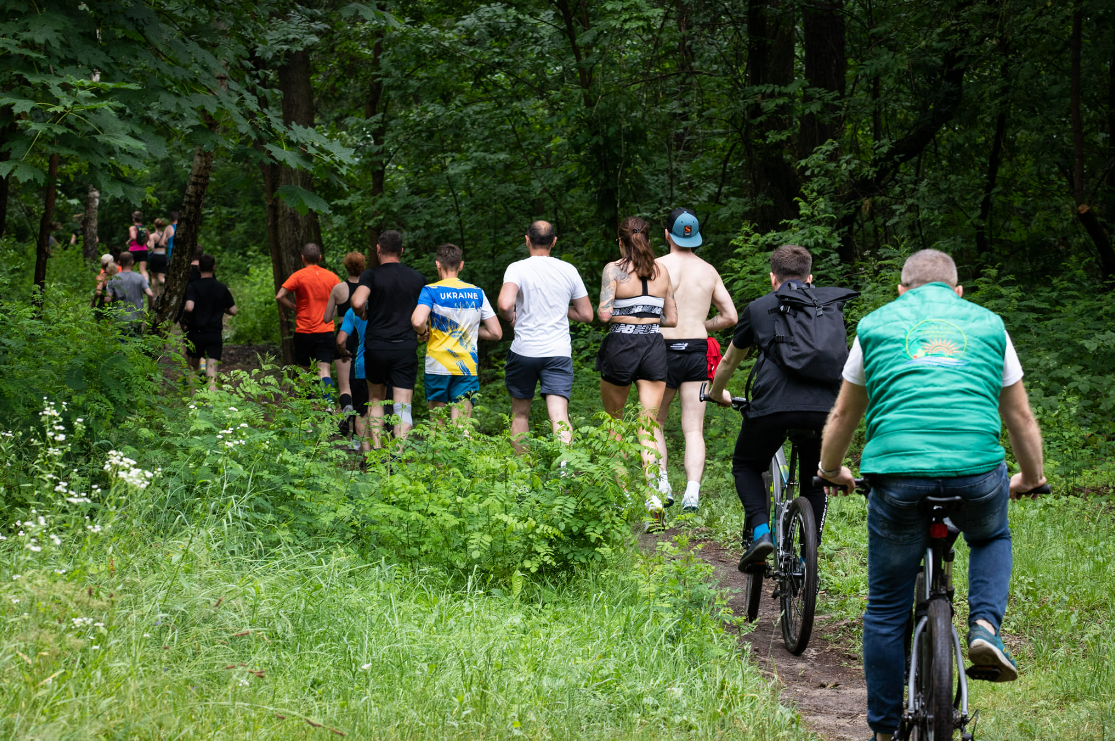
x: 684, y: 228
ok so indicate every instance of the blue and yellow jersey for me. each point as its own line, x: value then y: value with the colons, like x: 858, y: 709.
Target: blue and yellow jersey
x: 456, y: 310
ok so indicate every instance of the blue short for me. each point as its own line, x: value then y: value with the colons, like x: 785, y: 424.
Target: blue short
x: 554, y: 374
x: 450, y: 389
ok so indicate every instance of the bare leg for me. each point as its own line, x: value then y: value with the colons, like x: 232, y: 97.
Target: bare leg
x: 344, y: 386
x: 462, y: 408
x: 362, y: 429
x: 520, y: 423
x: 403, y: 396
x: 323, y: 370
x: 650, y: 400
x: 377, y: 392
x: 143, y: 271
x: 660, y: 432
x: 693, y: 427
x: 558, y: 409
x: 211, y: 371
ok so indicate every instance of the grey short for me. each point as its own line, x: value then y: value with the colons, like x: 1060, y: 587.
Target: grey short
x: 523, y: 374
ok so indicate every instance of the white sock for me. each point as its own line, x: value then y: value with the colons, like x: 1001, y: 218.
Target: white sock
x: 692, y: 489
x: 663, y: 480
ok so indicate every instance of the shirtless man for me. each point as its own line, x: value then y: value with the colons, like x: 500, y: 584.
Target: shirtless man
x: 696, y: 287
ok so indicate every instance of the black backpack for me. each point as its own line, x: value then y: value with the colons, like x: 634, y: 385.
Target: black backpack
x: 810, y: 340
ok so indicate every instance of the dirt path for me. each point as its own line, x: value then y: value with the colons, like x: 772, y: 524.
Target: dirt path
x: 825, y: 684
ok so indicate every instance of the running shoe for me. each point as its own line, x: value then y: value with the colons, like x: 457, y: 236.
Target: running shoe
x: 655, y: 515
x: 985, y: 649
x: 757, y: 552
x: 689, y: 503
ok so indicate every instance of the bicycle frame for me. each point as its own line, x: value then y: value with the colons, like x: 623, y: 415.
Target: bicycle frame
x: 778, y: 504
x: 937, y: 585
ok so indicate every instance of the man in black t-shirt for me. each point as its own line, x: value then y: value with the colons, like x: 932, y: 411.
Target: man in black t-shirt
x: 207, y: 301
x: 781, y: 404
x: 387, y: 297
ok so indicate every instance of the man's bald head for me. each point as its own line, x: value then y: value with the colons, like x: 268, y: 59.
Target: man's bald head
x: 541, y: 234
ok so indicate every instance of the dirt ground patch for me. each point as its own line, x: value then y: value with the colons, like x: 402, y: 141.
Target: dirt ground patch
x: 825, y: 684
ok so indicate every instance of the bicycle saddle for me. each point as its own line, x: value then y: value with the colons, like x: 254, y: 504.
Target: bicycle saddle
x: 952, y: 503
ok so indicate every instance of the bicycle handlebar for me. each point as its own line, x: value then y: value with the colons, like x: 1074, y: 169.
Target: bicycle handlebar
x: 862, y: 486
x: 738, y: 402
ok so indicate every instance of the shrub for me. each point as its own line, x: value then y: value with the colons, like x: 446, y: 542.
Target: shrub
x: 257, y: 318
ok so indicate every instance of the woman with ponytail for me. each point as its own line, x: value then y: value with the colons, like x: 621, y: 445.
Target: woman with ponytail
x: 635, y: 299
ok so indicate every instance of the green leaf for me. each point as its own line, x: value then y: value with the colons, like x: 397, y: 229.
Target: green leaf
x: 301, y: 200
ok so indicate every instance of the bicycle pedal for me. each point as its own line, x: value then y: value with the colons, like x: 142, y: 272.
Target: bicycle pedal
x: 776, y: 594
x: 755, y: 568
x: 984, y: 673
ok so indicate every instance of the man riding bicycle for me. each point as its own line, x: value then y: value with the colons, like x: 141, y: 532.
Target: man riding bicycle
x: 933, y: 373
x: 783, y: 401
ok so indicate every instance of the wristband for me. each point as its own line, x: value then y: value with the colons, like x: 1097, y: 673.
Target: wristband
x: 825, y: 473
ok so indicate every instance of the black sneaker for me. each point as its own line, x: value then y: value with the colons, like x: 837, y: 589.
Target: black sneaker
x: 757, y: 552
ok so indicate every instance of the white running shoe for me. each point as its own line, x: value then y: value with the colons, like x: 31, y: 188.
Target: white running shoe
x: 667, y: 491
x: 689, y: 503
x: 655, y: 515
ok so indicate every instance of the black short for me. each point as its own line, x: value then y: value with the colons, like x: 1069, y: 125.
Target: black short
x: 359, y: 394
x: 157, y: 262
x: 138, y: 255
x: 395, y: 368
x: 204, y: 345
x: 313, y: 347
x: 687, y: 360
x: 625, y: 358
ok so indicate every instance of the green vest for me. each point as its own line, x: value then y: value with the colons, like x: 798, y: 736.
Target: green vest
x: 934, y: 368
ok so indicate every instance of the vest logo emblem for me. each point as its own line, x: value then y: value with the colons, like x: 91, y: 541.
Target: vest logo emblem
x: 936, y: 342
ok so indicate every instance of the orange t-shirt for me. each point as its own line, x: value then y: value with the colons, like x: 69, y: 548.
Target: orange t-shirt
x: 311, y: 286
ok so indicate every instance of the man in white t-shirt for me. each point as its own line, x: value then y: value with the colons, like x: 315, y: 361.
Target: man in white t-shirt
x: 540, y: 295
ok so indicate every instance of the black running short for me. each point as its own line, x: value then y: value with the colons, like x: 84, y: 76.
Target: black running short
x: 624, y: 358
x: 687, y: 360
x: 395, y: 368
x: 138, y: 255
x: 204, y: 345
x: 157, y: 262
x: 313, y: 347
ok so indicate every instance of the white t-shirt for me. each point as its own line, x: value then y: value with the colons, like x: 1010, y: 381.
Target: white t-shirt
x: 546, y: 286
x: 854, y: 373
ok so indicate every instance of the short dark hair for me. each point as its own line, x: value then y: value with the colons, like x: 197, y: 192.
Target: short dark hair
x: 450, y: 256
x: 391, y: 242
x: 206, y: 263
x: 126, y: 260
x: 791, y: 261
x: 311, y: 253
x: 174, y: 216
x: 137, y: 216
x: 541, y: 234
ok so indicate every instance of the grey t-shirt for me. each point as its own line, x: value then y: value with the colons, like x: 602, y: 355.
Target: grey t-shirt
x: 129, y: 288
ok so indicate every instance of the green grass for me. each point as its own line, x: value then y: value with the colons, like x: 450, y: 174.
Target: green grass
x: 203, y: 637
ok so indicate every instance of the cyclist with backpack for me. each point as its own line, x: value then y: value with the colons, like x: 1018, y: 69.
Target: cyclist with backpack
x: 936, y: 376
x: 799, y: 332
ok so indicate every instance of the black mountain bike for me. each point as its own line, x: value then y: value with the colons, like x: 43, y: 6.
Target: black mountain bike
x: 793, y: 567
x: 936, y: 687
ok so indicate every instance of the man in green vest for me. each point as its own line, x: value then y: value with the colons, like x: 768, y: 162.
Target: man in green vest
x: 933, y: 373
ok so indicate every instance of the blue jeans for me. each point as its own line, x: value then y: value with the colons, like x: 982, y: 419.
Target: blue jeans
x: 898, y: 535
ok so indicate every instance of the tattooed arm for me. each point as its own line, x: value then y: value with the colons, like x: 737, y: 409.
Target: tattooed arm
x: 607, y: 292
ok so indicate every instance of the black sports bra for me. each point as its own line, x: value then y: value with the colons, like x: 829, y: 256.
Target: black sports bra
x: 643, y: 306
x: 343, y: 307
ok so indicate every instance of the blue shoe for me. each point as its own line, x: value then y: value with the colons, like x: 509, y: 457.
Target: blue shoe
x: 757, y: 552
x: 985, y: 649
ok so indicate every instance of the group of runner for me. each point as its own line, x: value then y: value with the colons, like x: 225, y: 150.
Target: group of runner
x: 138, y: 269
x: 935, y: 376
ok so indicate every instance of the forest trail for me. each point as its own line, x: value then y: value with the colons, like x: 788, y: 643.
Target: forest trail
x: 825, y: 684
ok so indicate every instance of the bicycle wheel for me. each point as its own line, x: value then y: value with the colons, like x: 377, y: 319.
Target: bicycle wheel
x: 938, y: 678
x: 798, y: 564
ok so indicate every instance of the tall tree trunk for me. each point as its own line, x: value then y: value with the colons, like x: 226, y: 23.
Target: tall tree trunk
x: 42, y: 247
x: 983, y: 225
x: 170, y: 300
x: 376, y: 108
x: 825, y: 69
x: 295, y: 230
x: 770, y: 61
x: 1084, y: 212
x: 270, y: 175
x: 89, y: 224
x: 4, y: 157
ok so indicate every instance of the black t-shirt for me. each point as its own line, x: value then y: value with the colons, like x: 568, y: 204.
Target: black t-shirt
x: 394, y: 295
x: 773, y: 389
x: 211, y: 298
